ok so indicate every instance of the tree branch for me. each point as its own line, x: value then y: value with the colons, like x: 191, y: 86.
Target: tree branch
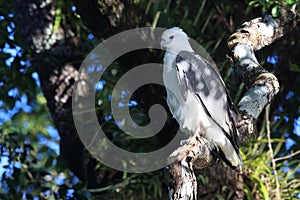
x: 277, y: 192
x: 250, y: 37
x: 196, y: 152
x: 114, y: 15
x: 288, y: 156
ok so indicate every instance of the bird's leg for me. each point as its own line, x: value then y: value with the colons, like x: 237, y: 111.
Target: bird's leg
x: 192, y: 139
x: 184, y: 142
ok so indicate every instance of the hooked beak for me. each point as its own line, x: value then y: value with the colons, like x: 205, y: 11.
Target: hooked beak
x: 163, y: 44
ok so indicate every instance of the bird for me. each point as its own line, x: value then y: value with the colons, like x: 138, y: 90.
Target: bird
x: 198, y: 99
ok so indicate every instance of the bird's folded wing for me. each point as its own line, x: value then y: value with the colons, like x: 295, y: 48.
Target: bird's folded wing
x: 204, y: 80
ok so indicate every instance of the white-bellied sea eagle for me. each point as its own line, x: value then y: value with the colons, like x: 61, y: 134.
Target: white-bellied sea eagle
x: 197, y: 97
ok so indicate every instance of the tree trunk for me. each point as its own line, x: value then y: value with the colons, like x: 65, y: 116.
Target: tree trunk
x: 57, y: 58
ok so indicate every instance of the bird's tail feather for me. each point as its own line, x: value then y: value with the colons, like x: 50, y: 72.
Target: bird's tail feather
x: 217, y: 152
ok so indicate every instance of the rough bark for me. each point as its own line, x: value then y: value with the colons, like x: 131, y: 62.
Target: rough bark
x: 110, y: 16
x: 194, y: 154
x: 52, y: 52
x: 242, y: 44
x: 250, y: 37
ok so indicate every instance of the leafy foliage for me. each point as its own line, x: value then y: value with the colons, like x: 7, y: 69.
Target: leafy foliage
x: 273, y: 7
x: 261, y: 183
x: 30, y: 157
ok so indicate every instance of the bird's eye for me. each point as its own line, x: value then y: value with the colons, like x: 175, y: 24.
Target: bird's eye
x: 171, y: 37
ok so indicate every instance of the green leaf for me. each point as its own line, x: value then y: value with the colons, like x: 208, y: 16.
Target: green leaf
x: 294, y: 67
x: 275, y: 11
x: 57, y: 20
x: 290, y: 1
x: 262, y: 188
x: 49, y: 162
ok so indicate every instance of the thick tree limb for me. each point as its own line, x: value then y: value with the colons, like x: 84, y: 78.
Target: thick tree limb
x: 250, y: 37
x: 196, y: 152
x: 109, y: 17
x: 54, y: 50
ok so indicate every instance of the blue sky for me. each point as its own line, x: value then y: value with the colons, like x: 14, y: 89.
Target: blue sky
x: 22, y: 104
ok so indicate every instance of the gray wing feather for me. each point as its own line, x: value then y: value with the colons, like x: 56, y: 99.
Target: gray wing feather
x: 184, y: 83
x: 201, y: 77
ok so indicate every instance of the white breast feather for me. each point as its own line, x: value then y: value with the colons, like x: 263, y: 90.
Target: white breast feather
x: 188, y: 111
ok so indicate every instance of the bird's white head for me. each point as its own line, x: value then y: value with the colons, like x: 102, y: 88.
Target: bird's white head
x: 175, y: 40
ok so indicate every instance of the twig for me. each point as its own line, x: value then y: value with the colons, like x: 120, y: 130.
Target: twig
x: 287, y: 157
x: 271, y: 152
